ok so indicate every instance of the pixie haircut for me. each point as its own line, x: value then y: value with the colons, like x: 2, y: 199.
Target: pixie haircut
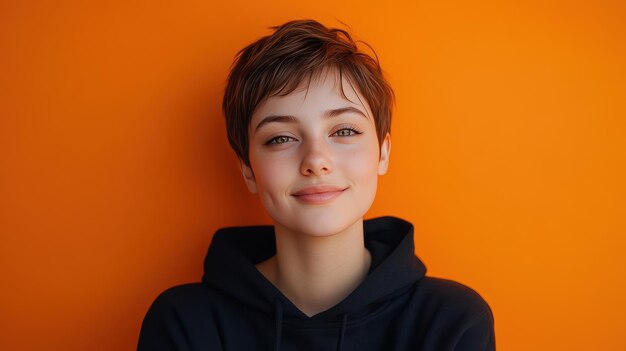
x: 297, y: 51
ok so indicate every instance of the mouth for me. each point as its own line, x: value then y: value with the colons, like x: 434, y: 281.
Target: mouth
x: 318, y: 194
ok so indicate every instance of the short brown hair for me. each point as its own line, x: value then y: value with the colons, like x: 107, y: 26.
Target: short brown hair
x: 277, y: 64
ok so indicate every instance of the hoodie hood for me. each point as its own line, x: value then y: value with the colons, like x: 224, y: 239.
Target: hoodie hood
x: 230, y: 267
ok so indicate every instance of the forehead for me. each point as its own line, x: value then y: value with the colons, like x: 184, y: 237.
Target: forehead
x: 322, y: 93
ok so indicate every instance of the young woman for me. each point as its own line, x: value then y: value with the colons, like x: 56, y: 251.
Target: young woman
x: 308, y: 116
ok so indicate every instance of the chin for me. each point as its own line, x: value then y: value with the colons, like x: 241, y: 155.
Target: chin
x: 325, y: 220
x: 321, y: 224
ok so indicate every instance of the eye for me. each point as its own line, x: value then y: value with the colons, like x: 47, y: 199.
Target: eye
x: 281, y: 139
x: 348, y: 131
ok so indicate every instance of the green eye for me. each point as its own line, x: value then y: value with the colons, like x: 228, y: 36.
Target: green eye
x: 279, y: 140
x: 347, y: 132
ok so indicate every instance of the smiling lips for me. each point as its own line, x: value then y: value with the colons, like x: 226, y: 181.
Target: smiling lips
x: 318, y: 194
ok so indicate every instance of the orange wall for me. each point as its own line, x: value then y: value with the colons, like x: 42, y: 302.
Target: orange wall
x: 508, y: 155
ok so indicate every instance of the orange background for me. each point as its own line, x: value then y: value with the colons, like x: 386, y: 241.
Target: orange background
x: 508, y: 156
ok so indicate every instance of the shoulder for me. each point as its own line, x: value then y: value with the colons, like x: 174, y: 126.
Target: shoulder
x: 184, y: 298
x: 184, y: 290
x: 178, y: 318
x: 453, y: 296
x: 457, y: 311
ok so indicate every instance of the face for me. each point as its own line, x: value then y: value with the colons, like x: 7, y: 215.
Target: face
x: 315, y: 157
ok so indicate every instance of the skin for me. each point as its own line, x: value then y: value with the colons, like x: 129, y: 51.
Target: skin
x: 320, y: 254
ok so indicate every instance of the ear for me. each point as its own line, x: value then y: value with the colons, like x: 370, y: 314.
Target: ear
x: 248, y: 177
x: 385, y: 150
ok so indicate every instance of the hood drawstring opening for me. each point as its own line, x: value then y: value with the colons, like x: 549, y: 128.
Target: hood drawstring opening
x: 342, y: 331
x: 278, y: 305
x: 279, y: 323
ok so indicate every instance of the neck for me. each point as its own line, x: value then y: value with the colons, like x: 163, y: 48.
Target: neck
x: 315, y: 272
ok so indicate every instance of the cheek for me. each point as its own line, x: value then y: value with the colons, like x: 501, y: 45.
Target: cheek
x: 270, y: 173
x: 364, y: 162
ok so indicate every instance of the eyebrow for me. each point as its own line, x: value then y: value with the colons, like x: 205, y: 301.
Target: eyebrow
x: 291, y: 119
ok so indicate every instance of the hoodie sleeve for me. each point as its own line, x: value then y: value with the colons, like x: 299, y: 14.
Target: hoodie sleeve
x: 479, y: 336
x: 162, y: 329
x: 456, y: 318
x: 179, y: 319
x: 477, y: 324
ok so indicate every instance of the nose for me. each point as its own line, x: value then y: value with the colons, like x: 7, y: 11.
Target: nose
x: 316, y: 160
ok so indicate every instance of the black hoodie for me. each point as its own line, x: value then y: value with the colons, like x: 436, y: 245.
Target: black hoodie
x: 396, y: 307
